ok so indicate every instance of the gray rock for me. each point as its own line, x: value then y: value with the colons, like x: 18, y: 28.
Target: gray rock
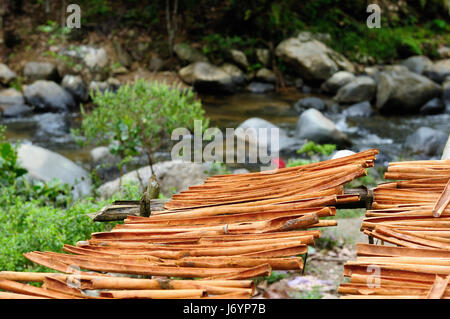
x: 208, y: 78
x: 170, y: 174
x: 16, y: 110
x: 239, y: 58
x: 96, y: 59
x: 312, y: 60
x: 417, y: 64
x: 75, y: 85
x: 336, y: 81
x: 426, y: 141
x: 438, y: 71
x: 48, y: 96
x: 101, y: 155
x: 11, y: 96
x: 404, y: 91
x: 434, y: 106
x: 362, y: 88
x: 34, y: 71
x: 259, y: 87
x: 44, y: 165
x: 100, y: 86
x: 310, y: 103
x: 362, y: 109
x: 263, y: 56
x: 266, y: 75
x: 6, y: 75
x: 342, y: 153
x: 188, y: 54
x: 237, y: 76
x: 312, y: 125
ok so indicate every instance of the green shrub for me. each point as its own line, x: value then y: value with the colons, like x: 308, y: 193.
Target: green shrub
x: 312, y: 148
x: 139, y: 116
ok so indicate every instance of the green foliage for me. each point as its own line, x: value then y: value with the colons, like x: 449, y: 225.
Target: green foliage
x: 312, y: 148
x: 34, y: 225
x: 298, y: 162
x: 216, y: 46
x: 10, y: 171
x: 139, y: 116
x: 57, y: 34
x: 314, y: 293
x: 276, y: 276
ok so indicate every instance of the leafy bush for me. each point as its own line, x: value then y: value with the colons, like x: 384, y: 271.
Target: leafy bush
x: 139, y: 116
x: 312, y: 148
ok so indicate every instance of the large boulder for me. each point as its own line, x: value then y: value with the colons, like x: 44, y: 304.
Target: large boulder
x: 207, y: 78
x: 12, y: 103
x: 34, y: 71
x: 49, y: 96
x: 400, y: 91
x: 426, y: 141
x: 75, y: 85
x: 417, y: 63
x: 312, y: 60
x: 362, y: 88
x: 438, y: 71
x: 44, y: 165
x: 313, y: 125
x: 171, y: 175
x: 6, y: 75
x: 96, y: 59
x: 188, y: 54
x: 336, y: 81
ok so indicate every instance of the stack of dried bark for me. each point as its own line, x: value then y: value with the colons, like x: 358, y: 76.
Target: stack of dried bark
x: 226, y: 231
x: 413, y: 214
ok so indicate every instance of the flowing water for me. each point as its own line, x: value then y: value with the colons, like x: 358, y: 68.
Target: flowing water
x: 52, y: 130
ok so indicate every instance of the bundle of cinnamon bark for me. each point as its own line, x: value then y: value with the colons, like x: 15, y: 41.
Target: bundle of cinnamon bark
x: 412, y: 214
x: 223, y: 233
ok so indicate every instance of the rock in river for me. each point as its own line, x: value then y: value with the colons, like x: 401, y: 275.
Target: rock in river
x: 362, y: 88
x: 336, y: 81
x: 44, y: 165
x: 426, y: 141
x: 313, y: 125
x: 206, y: 77
x: 310, y: 103
x: 402, y: 91
x: 49, y: 96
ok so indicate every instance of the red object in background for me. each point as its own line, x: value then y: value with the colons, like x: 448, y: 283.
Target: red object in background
x: 278, y: 163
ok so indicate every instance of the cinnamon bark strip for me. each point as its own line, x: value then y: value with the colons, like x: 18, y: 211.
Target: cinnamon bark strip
x: 20, y: 288
x: 11, y: 295
x: 377, y: 250
x: 153, y: 294
x: 438, y: 290
x: 443, y: 201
